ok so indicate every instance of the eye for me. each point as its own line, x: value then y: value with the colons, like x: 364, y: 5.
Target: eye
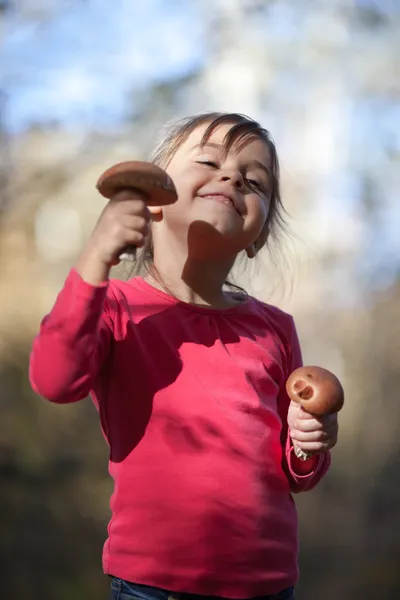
x: 254, y: 183
x: 209, y: 163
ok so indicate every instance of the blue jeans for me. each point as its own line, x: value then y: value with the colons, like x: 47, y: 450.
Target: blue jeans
x: 123, y: 590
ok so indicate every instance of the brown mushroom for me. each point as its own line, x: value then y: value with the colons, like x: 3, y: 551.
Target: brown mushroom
x: 318, y: 391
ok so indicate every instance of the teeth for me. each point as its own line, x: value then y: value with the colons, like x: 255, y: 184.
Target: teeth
x: 225, y: 198
x: 219, y: 196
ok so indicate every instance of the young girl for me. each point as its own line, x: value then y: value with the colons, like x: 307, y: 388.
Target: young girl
x: 189, y: 378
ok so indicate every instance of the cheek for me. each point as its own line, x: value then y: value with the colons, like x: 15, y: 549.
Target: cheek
x: 184, y: 179
x: 257, y: 214
x: 257, y: 210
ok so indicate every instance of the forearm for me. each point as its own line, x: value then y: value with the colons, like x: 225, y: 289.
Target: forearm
x: 70, y: 347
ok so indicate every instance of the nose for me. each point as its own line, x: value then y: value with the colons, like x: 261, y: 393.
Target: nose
x: 233, y: 176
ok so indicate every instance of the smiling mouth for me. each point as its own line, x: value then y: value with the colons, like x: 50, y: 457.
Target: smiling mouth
x: 223, y: 200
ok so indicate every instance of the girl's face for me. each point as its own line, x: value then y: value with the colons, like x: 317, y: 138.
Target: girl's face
x: 223, y: 200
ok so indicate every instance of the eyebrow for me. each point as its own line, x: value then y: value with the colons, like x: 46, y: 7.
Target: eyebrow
x: 257, y: 164
x: 252, y: 163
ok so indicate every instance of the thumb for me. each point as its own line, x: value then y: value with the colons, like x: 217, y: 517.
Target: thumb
x: 303, y: 414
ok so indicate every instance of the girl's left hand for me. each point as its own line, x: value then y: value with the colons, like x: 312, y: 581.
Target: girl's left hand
x: 312, y: 434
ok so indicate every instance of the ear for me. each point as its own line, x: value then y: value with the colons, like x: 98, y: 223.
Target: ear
x: 155, y: 212
x: 262, y: 238
x: 251, y: 251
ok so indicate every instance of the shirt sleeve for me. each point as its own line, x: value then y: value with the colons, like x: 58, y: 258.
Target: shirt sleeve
x: 72, y: 343
x: 302, y: 475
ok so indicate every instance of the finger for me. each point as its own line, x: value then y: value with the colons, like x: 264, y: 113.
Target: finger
x: 314, y: 447
x: 303, y: 414
x: 309, y: 436
x: 125, y: 207
x: 130, y: 194
x: 133, y: 207
x: 136, y: 223
x: 133, y: 230
x: 324, y: 421
x: 309, y: 425
x: 134, y: 237
x: 318, y: 434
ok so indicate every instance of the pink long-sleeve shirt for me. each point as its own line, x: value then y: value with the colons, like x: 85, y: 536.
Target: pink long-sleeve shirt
x: 192, y: 403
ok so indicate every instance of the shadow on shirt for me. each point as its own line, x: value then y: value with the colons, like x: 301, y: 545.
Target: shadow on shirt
x: 198, y: 353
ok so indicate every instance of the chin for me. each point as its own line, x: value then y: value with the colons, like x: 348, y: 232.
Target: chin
x: 220, y: 224
x: 214, y: 239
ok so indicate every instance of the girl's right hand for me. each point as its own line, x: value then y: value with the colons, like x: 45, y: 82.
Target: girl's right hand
x: 123, y: 222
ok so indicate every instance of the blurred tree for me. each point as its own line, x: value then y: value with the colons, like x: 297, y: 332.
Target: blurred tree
x: 5, y: 157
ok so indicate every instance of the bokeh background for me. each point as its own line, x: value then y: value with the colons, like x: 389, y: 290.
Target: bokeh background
x: 86, y: 83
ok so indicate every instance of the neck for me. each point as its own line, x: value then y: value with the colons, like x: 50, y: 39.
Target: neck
x: 193, y: 280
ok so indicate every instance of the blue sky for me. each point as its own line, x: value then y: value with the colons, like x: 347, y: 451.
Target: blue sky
x: 79, y: 66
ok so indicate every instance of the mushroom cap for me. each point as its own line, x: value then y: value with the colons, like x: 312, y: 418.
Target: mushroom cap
x: 142, y: 176
x: 318, y: 390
